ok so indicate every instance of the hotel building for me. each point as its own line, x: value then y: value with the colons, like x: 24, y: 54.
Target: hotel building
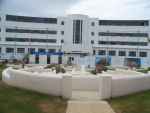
x: 80, y: 38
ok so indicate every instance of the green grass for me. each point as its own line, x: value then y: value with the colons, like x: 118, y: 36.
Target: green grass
x: 15, y: 100
x: 136, y: 103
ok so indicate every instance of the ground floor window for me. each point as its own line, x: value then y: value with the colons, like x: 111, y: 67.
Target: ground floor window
x: 31, y: 50
x: 112, y: 53
x: 20, y: 50
x: 132, y: 53
x: 9, y: 50
x: 102, y: 52
x: 122, y: 53
x: 143, y: 54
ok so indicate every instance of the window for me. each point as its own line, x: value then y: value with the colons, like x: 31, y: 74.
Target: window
x: 124, y: 22
x: 112, y: 53
x: 62, y: 41
x: 93, y: 24
x: 102, y: 52
x: 94, y: 52
x: 0, y: 50
x: 31, y: 19
x: 77, y: 31
x: 9, y: 50
x: 132, y: 54
x: 62, y: 32
x: 143, y: 54
x: 41, y: 50
x: 123, y: 34
x: 30, y: 31
x: 62, y: 23
x: 122, y: 53
x: 20, y: 50
x: 31, y: 50
x: 92, y: 41
x: 12, y: 39
x: 92, y: 33
x: 123, y: 43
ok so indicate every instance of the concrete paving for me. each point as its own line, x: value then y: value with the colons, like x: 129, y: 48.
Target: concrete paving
x: 89, y: 107
x: 85, y: 95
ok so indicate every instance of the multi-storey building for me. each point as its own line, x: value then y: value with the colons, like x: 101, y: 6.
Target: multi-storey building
x: 78, y: 36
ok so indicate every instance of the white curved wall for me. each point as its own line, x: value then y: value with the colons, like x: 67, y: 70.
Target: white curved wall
x: 44, y: 84
x: 129, y: 85
x: 89, y: 83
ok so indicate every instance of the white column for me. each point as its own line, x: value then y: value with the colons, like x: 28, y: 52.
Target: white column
x: 42, y: 59
x: 32, y: 59
x: 67, y: 86
x: 105, y: 87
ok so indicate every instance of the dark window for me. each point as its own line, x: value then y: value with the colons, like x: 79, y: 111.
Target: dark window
x: 92, y: 41
x: 94, y: 52
x: 77, y: 31
x: 11, y: 39
x: 124, y: 22
x: 122, y: 53
x: 20, y: 50
x: 132, y: 53
x: 93, y: 24
x: 9, y: 50
x: 31, y: 50
x: 31, y: 19
x: 48, y: 59
x: 62, y: 32
x: 123, y: 34
x: 0, y: 50
x: 102, y: 52
x: 143, y: 54
x: 62, y: 23
x: 41, y: 50
x: 123, y: 43
x: 37, y: 59
x: 30, y: 31
x: 112, y: 53
x: 92, y: 33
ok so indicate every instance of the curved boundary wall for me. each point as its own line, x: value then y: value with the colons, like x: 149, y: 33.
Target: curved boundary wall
x: 63, y: 85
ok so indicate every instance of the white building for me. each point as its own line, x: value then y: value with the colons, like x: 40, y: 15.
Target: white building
x: 81, y: 38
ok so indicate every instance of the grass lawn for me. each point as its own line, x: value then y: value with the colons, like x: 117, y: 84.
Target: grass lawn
x: 136, y: 103
x: 15, y: 100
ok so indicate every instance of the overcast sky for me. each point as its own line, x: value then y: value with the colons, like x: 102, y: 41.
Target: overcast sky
x: 103, y: 9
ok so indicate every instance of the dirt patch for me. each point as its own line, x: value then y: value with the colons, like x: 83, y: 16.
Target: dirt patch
x: 52, y: 107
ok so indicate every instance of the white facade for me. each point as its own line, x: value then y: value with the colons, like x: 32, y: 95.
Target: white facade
x: 79, y: 36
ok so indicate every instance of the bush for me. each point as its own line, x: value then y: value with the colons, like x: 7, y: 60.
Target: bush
x: 57, y: 67
x: 143, y: 70
x: 93, y: 72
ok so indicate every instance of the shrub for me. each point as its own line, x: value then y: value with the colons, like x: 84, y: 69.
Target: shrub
x: 93, y: 72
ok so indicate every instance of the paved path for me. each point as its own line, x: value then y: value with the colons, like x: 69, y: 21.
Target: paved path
x: 89, y: 107
x: 85, y: 95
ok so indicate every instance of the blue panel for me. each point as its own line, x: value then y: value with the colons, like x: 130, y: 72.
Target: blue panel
x: 48, y: 53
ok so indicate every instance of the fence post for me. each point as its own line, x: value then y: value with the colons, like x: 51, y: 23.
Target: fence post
x: 67, y: 86
x: 105, y: 87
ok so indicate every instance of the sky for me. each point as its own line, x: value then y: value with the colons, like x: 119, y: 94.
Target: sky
x: 103, y: 9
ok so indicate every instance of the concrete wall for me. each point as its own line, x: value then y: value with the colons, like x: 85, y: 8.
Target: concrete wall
x: 129, y: 85
x: 62, y: 85
x: 89, y: 83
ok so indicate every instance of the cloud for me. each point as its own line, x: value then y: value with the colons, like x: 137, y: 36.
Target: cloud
x: 103, y: 9
x: 113, y: 9
x: 36, y: 7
